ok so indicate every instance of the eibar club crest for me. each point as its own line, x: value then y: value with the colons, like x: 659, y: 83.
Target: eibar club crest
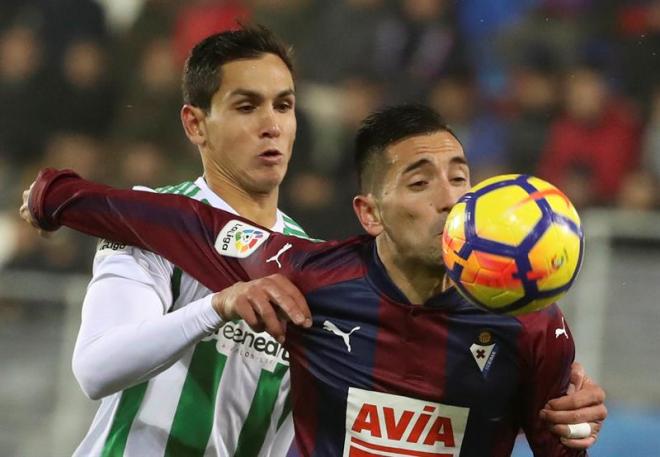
x: 484, y: 350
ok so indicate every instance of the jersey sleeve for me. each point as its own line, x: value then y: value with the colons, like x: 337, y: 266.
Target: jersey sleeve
x: 215, y: 247
x: 119, y: 260
x: 126, y: 335
x: 547, y: 350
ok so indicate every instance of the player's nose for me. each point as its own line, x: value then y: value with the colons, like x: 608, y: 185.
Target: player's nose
x: 445, y: 197
x: 270, y: 126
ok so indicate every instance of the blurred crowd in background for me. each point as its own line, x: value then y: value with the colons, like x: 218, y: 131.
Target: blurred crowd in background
x: 568, y: 90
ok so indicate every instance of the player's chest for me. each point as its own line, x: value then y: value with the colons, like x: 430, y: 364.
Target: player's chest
x: 457, y: 358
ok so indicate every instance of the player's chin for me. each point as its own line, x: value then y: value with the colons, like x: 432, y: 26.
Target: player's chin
x: 267, y: 180
x: 433, y: 258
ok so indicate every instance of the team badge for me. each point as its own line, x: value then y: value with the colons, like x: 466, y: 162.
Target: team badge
x: 238, y: 239
x: 484, y: 350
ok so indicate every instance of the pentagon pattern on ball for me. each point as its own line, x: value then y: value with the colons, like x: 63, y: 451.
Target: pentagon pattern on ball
x: 513, y: 244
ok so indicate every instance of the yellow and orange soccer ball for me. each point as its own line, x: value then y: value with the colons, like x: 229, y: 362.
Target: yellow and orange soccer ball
x: 513, y: 244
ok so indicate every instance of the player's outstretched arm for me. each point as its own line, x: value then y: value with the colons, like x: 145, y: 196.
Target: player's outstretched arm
x: 577, y: 417
x: 180, y: 229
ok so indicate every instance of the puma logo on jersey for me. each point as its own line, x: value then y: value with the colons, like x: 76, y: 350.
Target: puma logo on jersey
x: 282, y: 250
x: 332, y: 328
x: 562, y: 330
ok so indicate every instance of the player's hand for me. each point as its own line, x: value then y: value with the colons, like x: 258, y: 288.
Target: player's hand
x: 264, y: 304
x: 24, y: 211
x: 583, y: 404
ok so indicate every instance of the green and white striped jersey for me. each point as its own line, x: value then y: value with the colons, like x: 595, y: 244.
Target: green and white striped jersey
x: 226, y: 396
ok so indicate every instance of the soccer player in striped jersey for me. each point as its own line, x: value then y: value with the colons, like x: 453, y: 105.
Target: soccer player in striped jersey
x: 171, y: 384
x: 376, y: 373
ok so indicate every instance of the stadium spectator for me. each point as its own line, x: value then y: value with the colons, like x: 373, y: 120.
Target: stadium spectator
x: 482, y: 133
x: 417, y: 44
x: 83, y: 97
x: 23, y: 87
x: 198, y: 19
x: 151, y: 100
x: 640, y: 187
x: 534, y: 103
x: 638, y: 32
x: 594, y: 143
x: 345, y: 33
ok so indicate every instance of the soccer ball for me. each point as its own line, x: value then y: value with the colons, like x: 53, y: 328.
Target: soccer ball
x: 513, y: 244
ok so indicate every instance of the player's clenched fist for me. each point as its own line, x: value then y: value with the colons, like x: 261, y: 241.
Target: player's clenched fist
x: 264, y: 304
x: 26, y: 215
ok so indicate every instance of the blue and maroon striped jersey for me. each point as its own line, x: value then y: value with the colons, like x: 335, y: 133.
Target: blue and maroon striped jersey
x: 375, y: 375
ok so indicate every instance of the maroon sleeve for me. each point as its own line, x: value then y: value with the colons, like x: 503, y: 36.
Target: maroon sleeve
x: 215, y: 247
x: 548, y: 350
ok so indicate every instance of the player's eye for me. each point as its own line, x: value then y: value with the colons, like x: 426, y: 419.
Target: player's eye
x: 284, y: 106
x: 246, y: 108
x: 419, y: 184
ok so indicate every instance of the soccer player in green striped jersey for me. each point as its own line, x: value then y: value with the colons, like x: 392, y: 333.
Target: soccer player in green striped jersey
x: 178, y: 373
x: 175, y: 378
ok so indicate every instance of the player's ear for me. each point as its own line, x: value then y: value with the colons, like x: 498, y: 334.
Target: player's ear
x: 367, y: 213
x: 192, y: 119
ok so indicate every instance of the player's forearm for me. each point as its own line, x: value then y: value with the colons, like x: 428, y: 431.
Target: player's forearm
x: 178, y: 228
x: 121, y: 343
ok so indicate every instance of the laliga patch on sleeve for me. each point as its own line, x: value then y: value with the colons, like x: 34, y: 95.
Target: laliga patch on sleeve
x: 238, y: 239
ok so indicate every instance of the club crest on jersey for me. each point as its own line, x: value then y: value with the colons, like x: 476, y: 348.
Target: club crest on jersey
x: 393, y: 425
x: 484, y: 350
x: 238, y: 239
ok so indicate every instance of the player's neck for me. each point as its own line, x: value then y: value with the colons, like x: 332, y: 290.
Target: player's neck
x: 260, y: 208
x: 417, y: 282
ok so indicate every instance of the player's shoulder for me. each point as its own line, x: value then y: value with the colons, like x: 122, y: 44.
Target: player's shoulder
x: 291, y: 227
x: 541, y: 320
x: 337, y: 260
x: 187, y: 188
x: 121, y: 259
x: 190, y: 189
x: 546, y: 328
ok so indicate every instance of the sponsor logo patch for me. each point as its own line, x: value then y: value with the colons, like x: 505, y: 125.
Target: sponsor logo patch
x: 108, y: 247
x: 237, y: 338
x: 238, y: 239
x: 380, y: 424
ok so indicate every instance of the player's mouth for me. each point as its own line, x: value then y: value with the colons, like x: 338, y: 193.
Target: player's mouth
x: 271, y: 157
x: 439, y: 227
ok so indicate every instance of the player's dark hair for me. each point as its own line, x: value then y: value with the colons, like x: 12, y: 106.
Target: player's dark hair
x: 202, y: 73
x: 383, y: 128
